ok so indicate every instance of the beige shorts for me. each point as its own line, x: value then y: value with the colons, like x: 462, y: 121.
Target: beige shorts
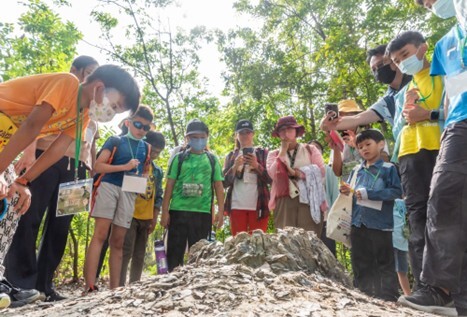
x: 115, y: 204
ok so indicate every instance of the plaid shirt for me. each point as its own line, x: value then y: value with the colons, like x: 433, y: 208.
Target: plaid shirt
x: 263, y: 181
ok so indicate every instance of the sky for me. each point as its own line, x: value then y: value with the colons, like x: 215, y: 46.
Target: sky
x: 185, y: 14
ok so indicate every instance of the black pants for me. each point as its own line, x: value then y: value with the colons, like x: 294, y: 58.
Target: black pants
x: 445, y: 257
x: 331, y: 244
x: 416, y: 172
x: 185, y: 226
x: 373, y: 263
x: 23, y: 267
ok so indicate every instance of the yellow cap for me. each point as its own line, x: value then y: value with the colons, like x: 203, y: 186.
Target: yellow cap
x: 348, y: 105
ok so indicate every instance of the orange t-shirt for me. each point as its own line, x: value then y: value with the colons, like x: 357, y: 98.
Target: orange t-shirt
x: 19, y: 96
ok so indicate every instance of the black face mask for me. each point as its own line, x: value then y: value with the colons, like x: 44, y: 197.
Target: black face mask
x: 385, y: 74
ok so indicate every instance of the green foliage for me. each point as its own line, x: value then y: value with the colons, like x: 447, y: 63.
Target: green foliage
x: 47, y: 44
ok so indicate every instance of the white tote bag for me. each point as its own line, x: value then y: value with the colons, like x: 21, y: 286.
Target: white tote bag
x: 340, y: 216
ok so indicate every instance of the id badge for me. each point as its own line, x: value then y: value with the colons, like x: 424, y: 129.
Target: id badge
x: 456, y: 84
x: 74, y: 197
x: 133, y: 183
x: 192, y: 190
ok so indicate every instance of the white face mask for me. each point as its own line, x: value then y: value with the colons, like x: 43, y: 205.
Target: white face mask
x: 443, y: 9
x: 461, y: 13
x: 101, y: 112
x: 411, y: 65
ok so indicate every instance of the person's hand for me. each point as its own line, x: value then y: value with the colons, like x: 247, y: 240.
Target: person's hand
x: 299, y: 174
x: 332, y: 145
x: 165, y: 219
x: 132, y: 164
x: 24, y: 199
x: 251, y: 160
x: 413, y: 113
x: 3, y: 189
x: 358, y: 194
x: 412, y: 96
x: 284, y: 147
x: 352, y: 138
x: 24, y: 163
x: 152, y: 225
x: 327, y: 123
x: 219, y: 220
x: 238, y: 163
x: 345, y: 189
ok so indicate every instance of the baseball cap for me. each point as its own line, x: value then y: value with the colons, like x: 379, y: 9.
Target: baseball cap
x: 196, y: 126
x: 243, y: 124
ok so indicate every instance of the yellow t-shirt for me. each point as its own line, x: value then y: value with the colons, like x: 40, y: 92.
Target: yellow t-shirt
x: 60, y: 90
x: 144, y: 204
x: 425, y: 134
x: 7, y: 129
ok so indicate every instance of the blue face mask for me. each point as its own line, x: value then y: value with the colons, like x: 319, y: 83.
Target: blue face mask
x: 411, y: 65
x: 443, y: 9
x: 198, y: 144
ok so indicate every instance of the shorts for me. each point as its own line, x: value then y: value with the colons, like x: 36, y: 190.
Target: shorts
x: 115, y: 204
x: 401, y: 261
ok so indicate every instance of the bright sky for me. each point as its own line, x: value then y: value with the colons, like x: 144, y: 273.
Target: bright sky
x: 185, y: 14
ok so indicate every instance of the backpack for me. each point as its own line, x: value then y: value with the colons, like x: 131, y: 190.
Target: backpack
x: 98, y: 177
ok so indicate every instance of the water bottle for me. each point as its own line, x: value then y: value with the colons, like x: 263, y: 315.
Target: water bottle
x: 212, y: 236
x: 3, y: 208
x: 161, y: 258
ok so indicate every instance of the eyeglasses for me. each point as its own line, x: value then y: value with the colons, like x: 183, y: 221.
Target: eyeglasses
x: 139, y: 125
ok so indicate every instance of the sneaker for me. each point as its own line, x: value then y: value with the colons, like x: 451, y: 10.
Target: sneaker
x: 54, y: 297
x: 431, y: 300
x: 5, y: 300
x: 18, y: 296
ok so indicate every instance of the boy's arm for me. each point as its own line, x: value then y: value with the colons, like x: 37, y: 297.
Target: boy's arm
x: 26, y: 134
x: 392, y: 191
x: 28, y: 158
x: 219, y: 189
x: 169, y: 187
x: 337, y: 162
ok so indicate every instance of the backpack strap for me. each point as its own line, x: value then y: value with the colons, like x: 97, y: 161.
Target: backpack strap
x: 181, y: 157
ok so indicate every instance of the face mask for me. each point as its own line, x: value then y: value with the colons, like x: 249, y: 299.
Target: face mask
x: 385, y: 74
x: 411, y: 65
x: 443, y: 9
x: 101, y: 112
x: 461, y: 13
x: 131, y: 136
x: 198, y: 144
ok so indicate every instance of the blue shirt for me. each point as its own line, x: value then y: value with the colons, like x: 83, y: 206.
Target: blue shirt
x: 447, y: 62
x: 381, y: 182
x: 398, y: 240
x: 127, y: 149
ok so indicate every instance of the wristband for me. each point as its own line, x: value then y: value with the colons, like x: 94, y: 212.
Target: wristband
x: 434, y: 115
x: 22, y: 181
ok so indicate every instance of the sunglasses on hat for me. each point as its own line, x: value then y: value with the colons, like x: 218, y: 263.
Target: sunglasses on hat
x: 139, y: 125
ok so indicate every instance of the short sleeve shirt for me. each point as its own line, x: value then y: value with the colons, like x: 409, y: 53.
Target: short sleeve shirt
x: 447, y: 62
x: 18, y: 97
x: 195, y: 169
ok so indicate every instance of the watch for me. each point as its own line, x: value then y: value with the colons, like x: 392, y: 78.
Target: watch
x: 22, y: 181
x: 434, y: 115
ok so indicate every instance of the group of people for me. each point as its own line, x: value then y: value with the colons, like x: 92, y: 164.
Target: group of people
x: 426, y: 106
x: 52, y: 119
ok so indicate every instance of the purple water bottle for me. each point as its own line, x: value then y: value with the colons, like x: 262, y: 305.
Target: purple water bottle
x: 161, y: 258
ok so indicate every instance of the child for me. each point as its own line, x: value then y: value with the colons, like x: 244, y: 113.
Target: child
x: 193, y: 176
x: 114, y: 207
x: 377, y: 186
x: 45, y: 104
x: 147, y: 208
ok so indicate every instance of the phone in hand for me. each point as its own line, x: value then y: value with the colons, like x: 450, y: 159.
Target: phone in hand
x: 336, y: 138
x: 331, y: 109
x: 247, y: 150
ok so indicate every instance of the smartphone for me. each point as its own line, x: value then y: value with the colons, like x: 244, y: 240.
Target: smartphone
x: 331, y: 109
x: 248, y: 150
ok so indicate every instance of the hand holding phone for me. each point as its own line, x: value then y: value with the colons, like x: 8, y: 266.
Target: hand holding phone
x: 331, y: 110
x: 247, y: 150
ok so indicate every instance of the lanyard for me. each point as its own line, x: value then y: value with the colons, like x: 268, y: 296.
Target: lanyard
x: 293, y: 156
x: 375, y: 177
x: 424, y: 98
x: 131, y: 150
x: 462, y: 44
x: 79, y: 131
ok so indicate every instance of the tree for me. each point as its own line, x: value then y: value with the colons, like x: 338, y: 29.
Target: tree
x: 167, y: 61
x: 47, y: 44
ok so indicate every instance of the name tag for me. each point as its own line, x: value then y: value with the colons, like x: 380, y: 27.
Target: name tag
x: 456, y: 85
x: 192, y: 190
x: 373, y: 204
x: 74, y: 197
x: 134, y: 184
